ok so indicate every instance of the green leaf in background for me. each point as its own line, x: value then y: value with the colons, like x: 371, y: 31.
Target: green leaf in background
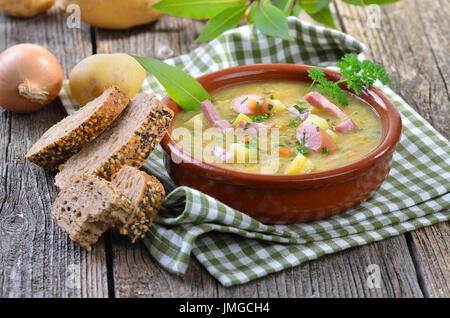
x: 196, y: 9
x: 251, y: 13
x: 224, y: 20
x: 313, y: 6
x: 271, y: 21
x: 180, y: 86
x: 284, y: 5
x: 296, y: 10
x: 369, y: 2
x: 324, y: 17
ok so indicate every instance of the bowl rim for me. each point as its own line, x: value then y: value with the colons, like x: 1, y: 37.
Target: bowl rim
x: 390, y: 118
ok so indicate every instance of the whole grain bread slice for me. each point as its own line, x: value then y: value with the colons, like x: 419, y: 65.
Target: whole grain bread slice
x: 145, y: 192
x: 89, y: 206
x: 68, y: 136
x: 128, y: 141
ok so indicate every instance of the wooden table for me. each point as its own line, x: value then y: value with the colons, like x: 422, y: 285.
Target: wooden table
x: 38, y: 260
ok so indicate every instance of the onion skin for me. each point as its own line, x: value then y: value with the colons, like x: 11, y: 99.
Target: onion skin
x: 30, y: 78
x: 25, y: 8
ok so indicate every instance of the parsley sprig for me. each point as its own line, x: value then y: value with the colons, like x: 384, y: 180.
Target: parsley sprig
x: 355, y: 73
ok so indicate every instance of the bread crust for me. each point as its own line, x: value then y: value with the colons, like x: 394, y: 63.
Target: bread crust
x: 147, y: 205
x: 56, y: 152
x: 86, y: 228
x: 136, y: 149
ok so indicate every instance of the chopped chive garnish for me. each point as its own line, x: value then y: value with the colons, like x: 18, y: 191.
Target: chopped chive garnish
x: 302, y: 150
x: 270, y: 106
x: 294, y: 122
x: 301, y: 110
x: 260, y: 118
x: 324, y: 151
x: 271, y: 97
x: 244, y: 100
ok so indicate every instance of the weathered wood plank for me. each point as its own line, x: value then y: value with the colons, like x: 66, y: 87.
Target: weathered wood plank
x: 137, y: 275
x: 413, y: 43
x: 415, y: 60
x: 36, y: 258
x: 430, y: 250
x: 343, y: 274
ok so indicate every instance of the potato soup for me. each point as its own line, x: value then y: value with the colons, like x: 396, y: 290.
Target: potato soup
x: 277, y: 128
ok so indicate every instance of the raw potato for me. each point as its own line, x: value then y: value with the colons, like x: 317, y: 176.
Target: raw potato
x: 25, y: 8
x: 117, y: 14
x: 96, y: 73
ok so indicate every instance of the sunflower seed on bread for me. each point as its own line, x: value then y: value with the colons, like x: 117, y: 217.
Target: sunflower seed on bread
x: 68, y: 136
x: 145, y: 192
x: 128, y: 141
x: 89, y: 206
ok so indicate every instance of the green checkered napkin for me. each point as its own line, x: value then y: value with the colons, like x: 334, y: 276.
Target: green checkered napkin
x: 235, y: 248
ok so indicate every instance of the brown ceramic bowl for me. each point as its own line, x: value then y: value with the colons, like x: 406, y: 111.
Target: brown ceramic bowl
x: 286, y: 199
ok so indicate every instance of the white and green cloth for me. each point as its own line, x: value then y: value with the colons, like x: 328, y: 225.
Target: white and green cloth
x: 235, y: 248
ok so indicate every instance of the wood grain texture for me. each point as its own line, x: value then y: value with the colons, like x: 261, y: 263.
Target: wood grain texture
x: 36, y: 258
x: 413, y: 43
x: 135, y: 274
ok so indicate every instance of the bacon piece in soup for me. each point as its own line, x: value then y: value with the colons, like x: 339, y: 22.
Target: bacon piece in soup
x: 345, y: 126
x: 318, y: 101
x: 315, y: 138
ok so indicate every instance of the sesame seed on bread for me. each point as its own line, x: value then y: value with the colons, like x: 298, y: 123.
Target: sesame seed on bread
x: 145, y: 192
x: 89, y: 206
x: 68, y: 136
x: 128, y: 141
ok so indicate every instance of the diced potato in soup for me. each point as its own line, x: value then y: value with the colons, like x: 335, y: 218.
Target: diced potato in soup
x: 276, y: 131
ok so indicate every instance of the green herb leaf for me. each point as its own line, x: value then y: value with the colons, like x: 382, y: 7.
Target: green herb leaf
x: 301, y: 110
x: 369, y: 2
x: 271, y: 21
x: 296, y: 10
x: 327, y: 87
x: 313, y: 6
x: 302, y: 149
x: 358, y: 73
x: 260, y: 118
x: 294, y: 122
x: 251, y: 13
x: 325, y: 151
x: 180, y: 86
x: 221, y: 22
x: 355, y: 73
x: 284, y: 5
x: 196, y: 9
x: 324, y: 17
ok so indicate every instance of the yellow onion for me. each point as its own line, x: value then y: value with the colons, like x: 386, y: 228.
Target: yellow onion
x: 30, y: 78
